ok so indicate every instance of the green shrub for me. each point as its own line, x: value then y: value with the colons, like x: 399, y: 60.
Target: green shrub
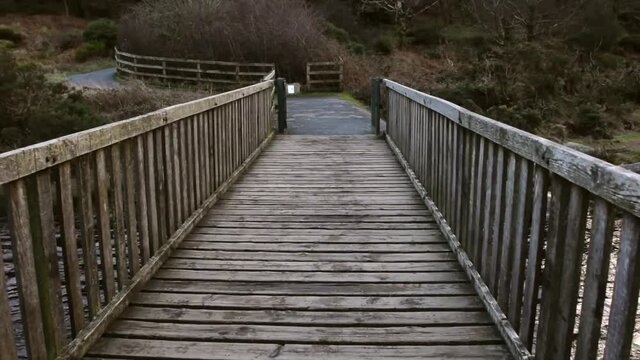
x: 336, y: 33
x: 91, y: 50
x: 67, y: 40
x: 103, y: 31
x: 357, y: 48
x: 590, y: 121
x: 631, y: 43
x: 465, y: 35
x: 34, y: 109
x: 7, y: 45
x: 384, y: 44
x: 7, y: 33
x: 610, y: 61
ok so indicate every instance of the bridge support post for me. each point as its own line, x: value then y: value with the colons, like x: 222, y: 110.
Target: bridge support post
x: 375, y: 104
x: 282, y: 104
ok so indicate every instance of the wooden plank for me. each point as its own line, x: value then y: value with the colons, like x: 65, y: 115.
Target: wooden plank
x: 27, y: 283
x: 70, y: 248
x: 143, y: 219
x: 106, y: 254
x: 313, y: 256
x: 498, y: 213
x: 315, y: 247
x: 118, y: 217
x: 138, y: 348
x: 132, y: 222
x: 309, y: 288
x: 310, y: 303
x: 161, y: 188
x: 433, y: 237
x: 314, y: 318
x: 504, y: 277
x: 46, y: 263
x: 152, y: 200
x: 245, y: 265
x: 89, y: 251
x: 403, y: 335
x: 293, y: 276
x: 625, y: 291
x: 595, y: 282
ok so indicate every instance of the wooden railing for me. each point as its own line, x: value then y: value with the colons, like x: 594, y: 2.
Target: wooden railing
x: 214, y: 72
x: 117, y: 199
x: 523, y: 214
x: 324, y: 75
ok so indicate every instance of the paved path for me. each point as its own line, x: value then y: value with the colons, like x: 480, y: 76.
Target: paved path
x: 104, y: 79
x: 326, y: 115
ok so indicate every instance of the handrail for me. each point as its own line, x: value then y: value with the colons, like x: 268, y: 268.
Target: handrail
x: 206, y: 71
x: 519, y: 211
x: 119, y: 198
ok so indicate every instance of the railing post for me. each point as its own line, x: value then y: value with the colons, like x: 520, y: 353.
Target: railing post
x: 375, y: 104
x: 282, y: 104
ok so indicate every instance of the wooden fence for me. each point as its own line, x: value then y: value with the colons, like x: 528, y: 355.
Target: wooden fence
x: 117, y: 199
x: 523, y: 214
x: 324, y: 75
x: 214, y: 72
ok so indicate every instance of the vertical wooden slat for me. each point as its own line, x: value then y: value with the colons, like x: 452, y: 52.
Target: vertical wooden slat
x: 118, y: 216
x: 487, y: 238
x: 475, y: 250
x: 88, y: 236
x: 7, y: 337
x: 472, y: 191
x: 184, y: 169
x: 152, y: 201
x: 177, y: 175
x: 47, y: 272
x: 190, y: 162
x: 143, y: 219
x: 504, y: 277
x: 170, y: 184
x: 27, y: 283
x: 207, y: 154
x: 595, y: 283
x: 498, y: 211
x: 106, y: 254
x: 161, y: 188
x: 534, y: 258
x: 132, y: 223
x: 521, y: 223
x: 70, y: 248
x: 196, y: 146
x: 625, y: 291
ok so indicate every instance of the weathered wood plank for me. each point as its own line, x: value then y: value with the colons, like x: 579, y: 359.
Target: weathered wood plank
x: 89, y: 251
x: 104, y: 220
x: 7, y: 337
x: 118, y: 217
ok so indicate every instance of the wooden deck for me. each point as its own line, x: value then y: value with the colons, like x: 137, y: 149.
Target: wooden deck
x: 322, y: 250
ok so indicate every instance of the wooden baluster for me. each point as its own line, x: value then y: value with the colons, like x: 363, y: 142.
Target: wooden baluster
x: 533, y: 274
x: 177, y: 175
x: 190, y: 165
x: 46, y: 263
x: 161, y: 188
x: 27, y: 282
x: 498, y: 213
x: 504, y: 277
x: 196, y: 146
x: 475, y: 250
x: 625, y: 292
x: 143, y: 214
x: 595, y: 283
x: 118, y: 217
x: 169, y: 154
x: 152, y: 201
x: 70, y: 248
x: 184, y: 170
x: 106, y: 254
x: 473, y: 174
x: 132, y: 221
x: 489, y: 208
x: 89, y: 252
x: 522, y: 216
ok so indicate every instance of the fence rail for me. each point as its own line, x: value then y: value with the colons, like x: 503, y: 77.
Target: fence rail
x: 117, y: 199
x: 324, y: 75
x: 215, y: 72
x: 523, y: 214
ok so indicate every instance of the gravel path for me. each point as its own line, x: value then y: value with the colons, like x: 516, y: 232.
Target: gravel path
x: 103, y: 79
x: 326, y: 115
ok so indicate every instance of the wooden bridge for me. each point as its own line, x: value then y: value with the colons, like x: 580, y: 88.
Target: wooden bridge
x: 195, y: 232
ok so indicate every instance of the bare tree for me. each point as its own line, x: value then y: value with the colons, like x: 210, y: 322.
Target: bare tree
x: 403, y: 11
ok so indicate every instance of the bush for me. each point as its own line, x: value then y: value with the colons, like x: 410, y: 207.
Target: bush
x: 357, y: 48
x: 384, y: 45
x: 465, y: 36
x: 7, y: 33
x: 91, y: 50
x: 67, y: 40
x: 239, y: 30
x: 103, y: 31
x: 590, y: 121
x: 35, y: 110
x: 336, y: 33
x: 426, y: 34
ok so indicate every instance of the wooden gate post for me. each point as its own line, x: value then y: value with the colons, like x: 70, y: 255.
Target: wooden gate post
x: 282, y: 104
x: 375, y: 104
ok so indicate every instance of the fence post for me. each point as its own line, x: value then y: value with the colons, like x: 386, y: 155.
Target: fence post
x: 375, y: 104
x: 282, y: 105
